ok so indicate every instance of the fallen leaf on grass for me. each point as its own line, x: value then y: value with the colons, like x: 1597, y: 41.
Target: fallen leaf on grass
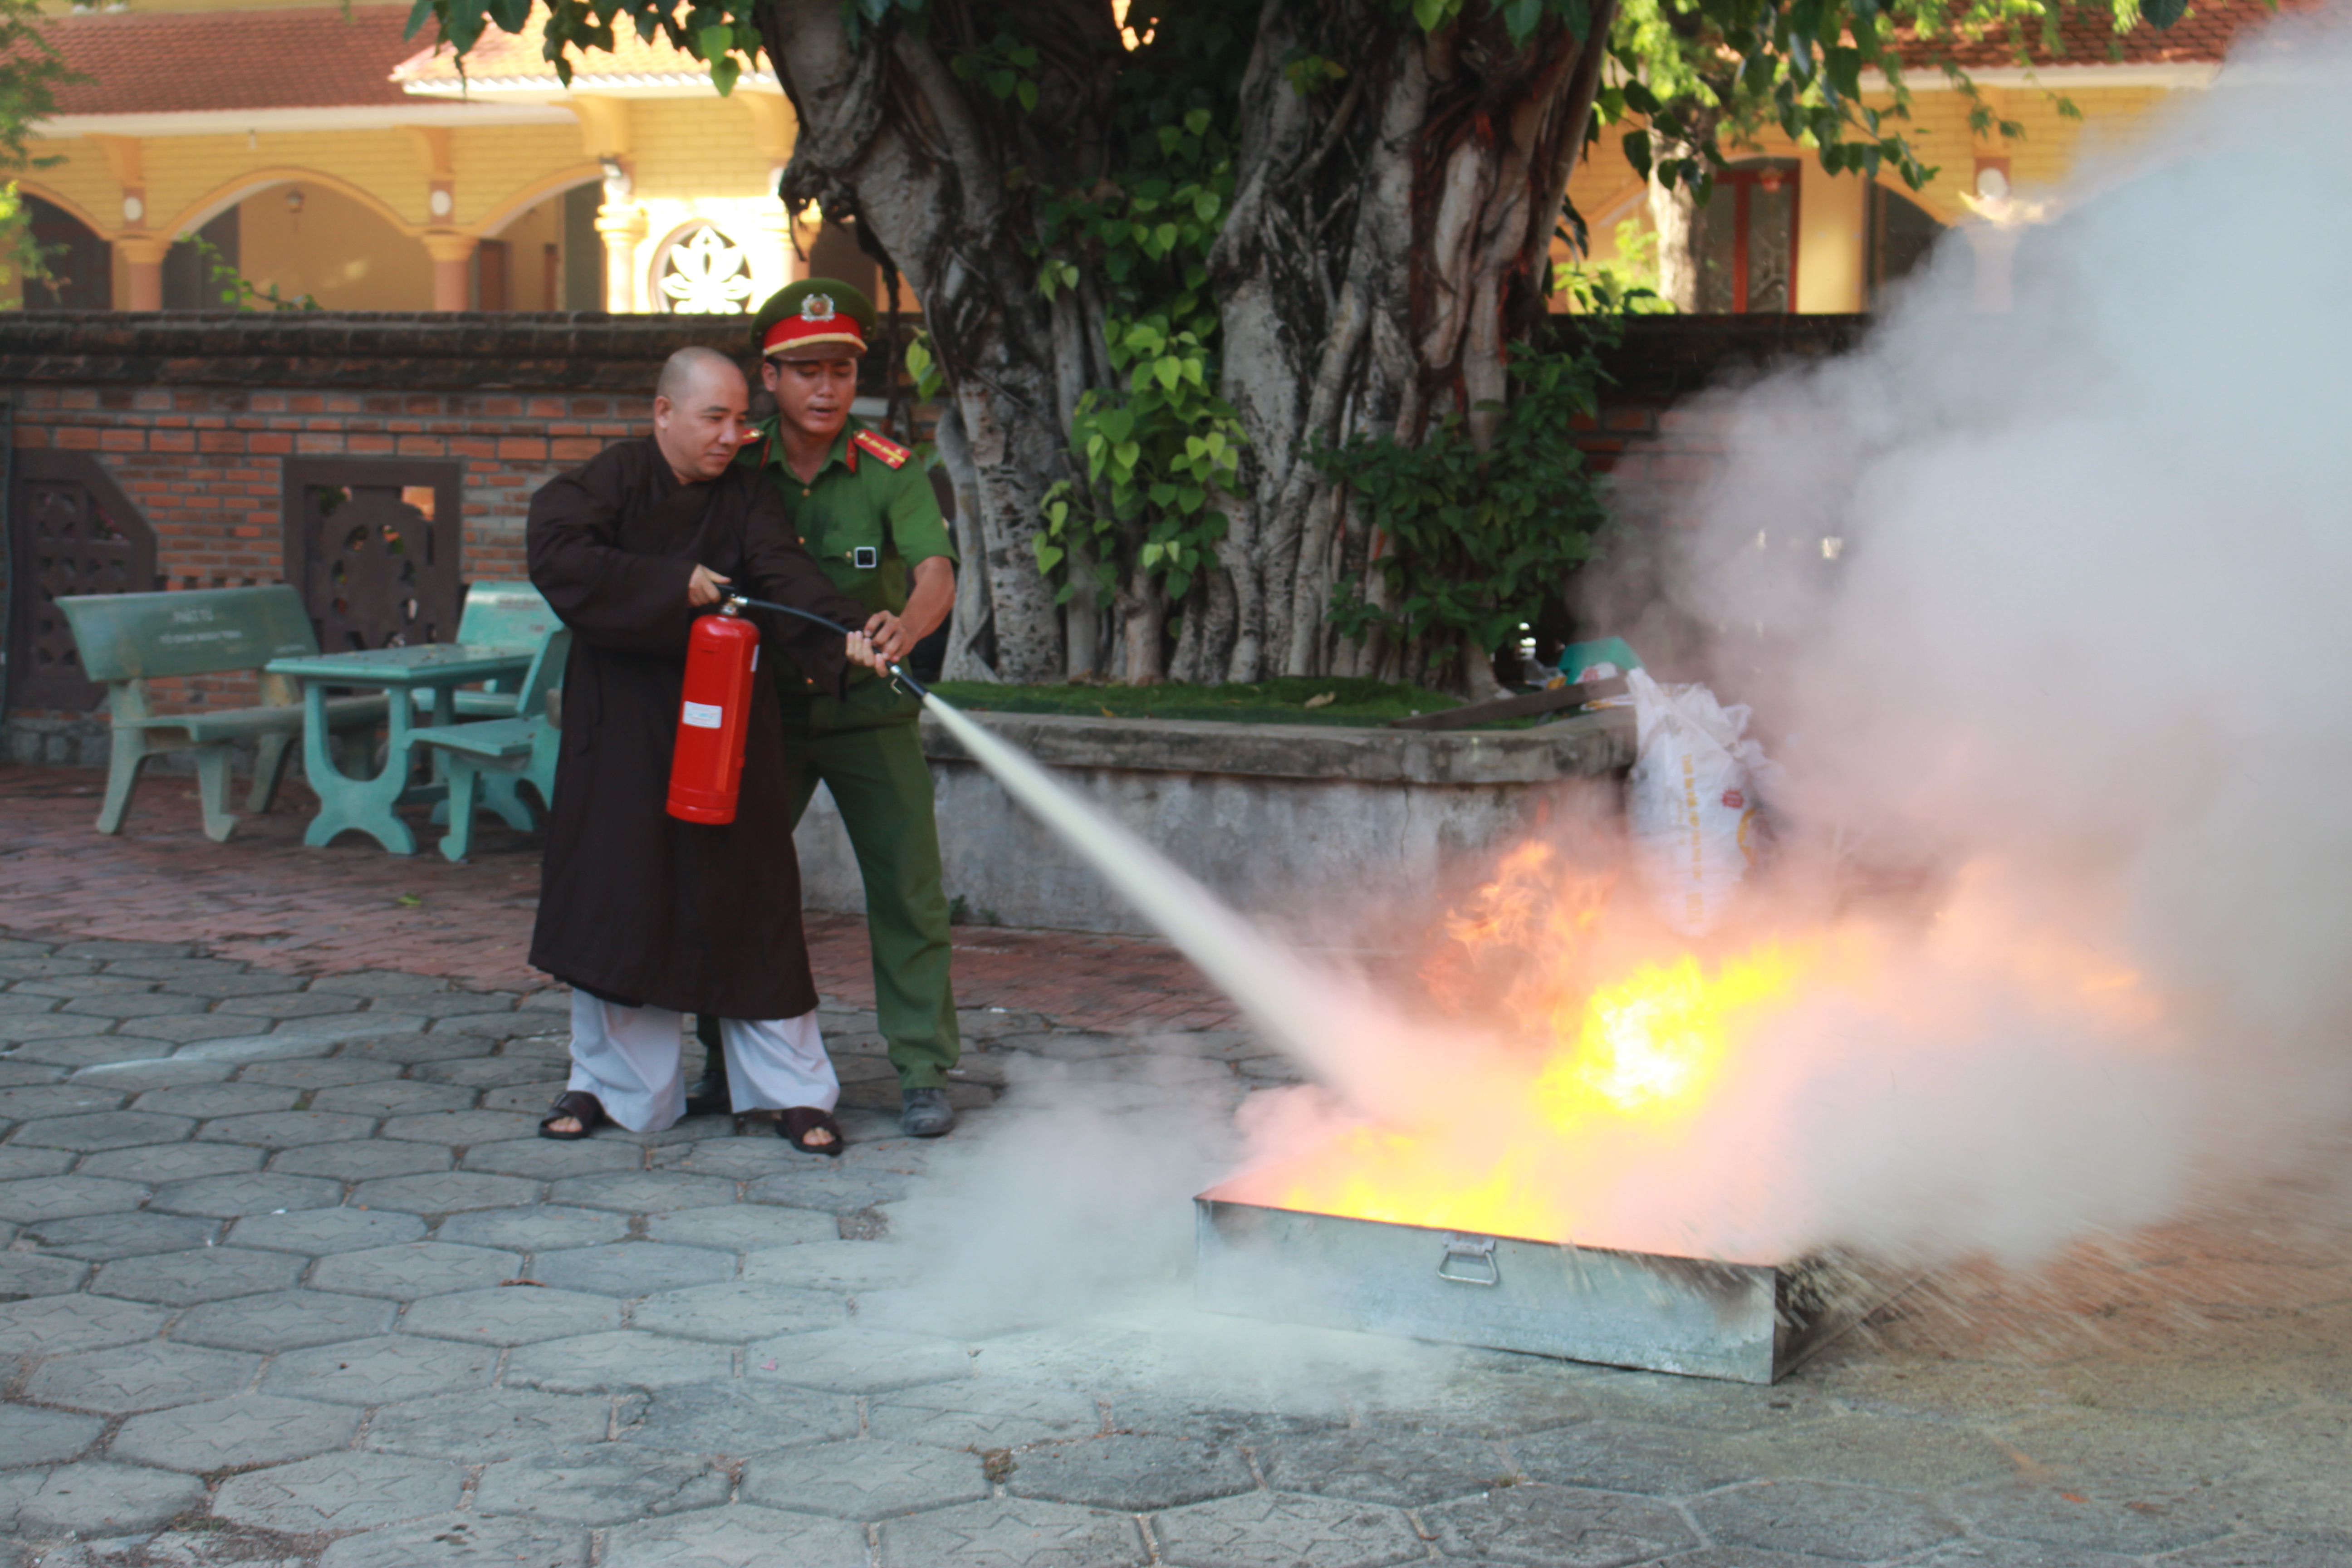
x: 1325, y: 701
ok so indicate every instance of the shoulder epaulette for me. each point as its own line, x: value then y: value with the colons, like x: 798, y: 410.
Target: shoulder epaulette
x: 890, y: 452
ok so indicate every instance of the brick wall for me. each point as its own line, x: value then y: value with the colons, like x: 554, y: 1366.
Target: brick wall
x: 193, y: 416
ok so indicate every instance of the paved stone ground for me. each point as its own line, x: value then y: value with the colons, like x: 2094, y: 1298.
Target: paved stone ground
x: 289, y: 1281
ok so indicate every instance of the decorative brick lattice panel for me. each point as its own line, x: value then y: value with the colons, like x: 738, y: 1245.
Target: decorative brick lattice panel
x: 374, y: 548
x: 75, y: 533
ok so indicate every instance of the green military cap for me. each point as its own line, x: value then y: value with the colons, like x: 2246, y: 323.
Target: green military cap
x: 815, y: 319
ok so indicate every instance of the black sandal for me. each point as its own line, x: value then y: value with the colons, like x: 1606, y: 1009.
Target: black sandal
x: 796, y: 1123
x: 580, y: 1106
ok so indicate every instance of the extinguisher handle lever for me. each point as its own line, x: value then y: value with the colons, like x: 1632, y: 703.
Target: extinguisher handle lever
x: 740, y: 601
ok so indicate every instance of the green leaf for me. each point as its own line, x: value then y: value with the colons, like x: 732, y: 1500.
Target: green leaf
x: 1637, y: 151
x: 1049, y: 554
x: 1520, y: 16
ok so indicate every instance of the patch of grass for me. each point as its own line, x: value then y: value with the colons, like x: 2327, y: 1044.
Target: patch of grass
x: 1287, y: 700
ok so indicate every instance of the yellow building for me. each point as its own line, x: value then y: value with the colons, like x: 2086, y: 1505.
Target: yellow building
x: 1780, y: 233
x: 315, y: 151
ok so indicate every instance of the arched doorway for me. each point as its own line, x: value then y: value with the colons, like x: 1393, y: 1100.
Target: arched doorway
x: 81, y: 264
x: 545, y: 256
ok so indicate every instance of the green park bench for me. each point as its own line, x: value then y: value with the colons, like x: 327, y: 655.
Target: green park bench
x: 502, y: 613
x: 127, y: 639
x: 486, y: 762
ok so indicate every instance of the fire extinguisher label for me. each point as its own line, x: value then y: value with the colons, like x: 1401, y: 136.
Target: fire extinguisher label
x: 702, y: 715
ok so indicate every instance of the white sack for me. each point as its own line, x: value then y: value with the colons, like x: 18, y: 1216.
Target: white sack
x: 1691, y: 802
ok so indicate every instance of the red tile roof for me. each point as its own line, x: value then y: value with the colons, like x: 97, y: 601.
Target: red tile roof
x: 176, y: 62
x: 2087, y: 37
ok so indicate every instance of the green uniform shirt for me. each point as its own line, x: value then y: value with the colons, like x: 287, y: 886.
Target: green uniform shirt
x: 859, y: 502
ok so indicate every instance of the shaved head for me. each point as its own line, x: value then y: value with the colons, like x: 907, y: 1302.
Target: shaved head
x: 682, y: 372
x: 700, y: 404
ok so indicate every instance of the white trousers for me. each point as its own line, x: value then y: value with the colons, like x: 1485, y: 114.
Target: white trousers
x: 630, y: 1059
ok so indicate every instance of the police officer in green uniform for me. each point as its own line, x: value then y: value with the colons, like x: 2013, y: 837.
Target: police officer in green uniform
x: 867, y: 512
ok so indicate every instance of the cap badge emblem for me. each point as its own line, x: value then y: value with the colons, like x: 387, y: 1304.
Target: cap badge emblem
x: 818, y: 308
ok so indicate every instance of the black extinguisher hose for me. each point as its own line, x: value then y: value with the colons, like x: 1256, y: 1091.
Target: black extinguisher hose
x: 897, y: 671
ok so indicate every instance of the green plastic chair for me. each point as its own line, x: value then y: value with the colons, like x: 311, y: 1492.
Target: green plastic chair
x: 486, y: 763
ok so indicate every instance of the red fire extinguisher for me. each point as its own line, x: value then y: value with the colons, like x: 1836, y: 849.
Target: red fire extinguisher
x: 707, y: 768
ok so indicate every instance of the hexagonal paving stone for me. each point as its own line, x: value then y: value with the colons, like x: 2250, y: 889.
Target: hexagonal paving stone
x: 101, y: 1500
x: 338, y: 1491
x: 128, y: 1378
x: 512, y: 1316
x: 634, y: 1269
x: 415, y: 1270
x: 445, y: 1191
x: 858, y: 1266
x: 1867, y: 1450
x: 408, y: 1047
x: 738, y: 1418
x: 473, y: 1428
x: 26, y: 1031
x: 486, y: 1072
x: 218, y: 1098
x: 231, y: 1041
x: 159, y: 1164
x: 381, y: 1370
x: 1626, y: 1457
x: 53, y: 1325
x: 834, y: 1192
x: 867, y: 1479
x: 742, y: 1227
x: 985, y: 1413
x: 642, y: 1192
x: 283, y: 1320
x: 1282, y: 1529
x: 65, y: 1198
x: 532, y: 1099
x: 199, y: 1274
x: 461, y: 1126
x: 32, y: 1436
x: 463, y: 1540
x: 735, y: 1312
x: 548, y: 1160
x: 540, y: 1227
x: 16, y: 1164
x: 288, y: 1128
x: 100, y: 1236
x: 235, y: 1433
x: 246, y: 1192
x: 1014, y: 1533
x: 606, y: 1484
x: 858, y: 1360
x: 84, y: 1049
x: 134, y: 1075
x: 740, y: 1536
x: 320, y: 1072
x: 251, y: 983
x: 321, y: 1232
x: 24, y: 1274
x: 395, y: 1098
x: 1399, y: 1467
x: 24, y: 1102
x: 86, y: 983
x: 1853, y: 1523
x: 288, y: 1005
x: 1133, y: 1474
x: 618, y: 1359
x: 135, y: 1004
x: 365, y: 1161
x: 106, y: 1129
x: 1557, y: 1525
x: 2088, y: 1516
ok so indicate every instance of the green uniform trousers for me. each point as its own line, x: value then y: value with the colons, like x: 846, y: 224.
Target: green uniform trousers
x: 866, y: 751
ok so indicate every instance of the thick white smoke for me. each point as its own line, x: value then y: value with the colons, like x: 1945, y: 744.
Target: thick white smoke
x: 2090, y: 635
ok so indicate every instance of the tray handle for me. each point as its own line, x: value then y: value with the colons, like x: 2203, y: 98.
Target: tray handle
x: 1470, y: 1261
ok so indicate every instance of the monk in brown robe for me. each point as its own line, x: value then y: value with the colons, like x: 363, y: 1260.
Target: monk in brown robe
x: 647, y: 917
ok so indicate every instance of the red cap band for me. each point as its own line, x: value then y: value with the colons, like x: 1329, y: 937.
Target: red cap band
x: 797, y: 331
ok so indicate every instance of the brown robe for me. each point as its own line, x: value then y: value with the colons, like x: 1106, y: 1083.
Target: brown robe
x: 635, y: 905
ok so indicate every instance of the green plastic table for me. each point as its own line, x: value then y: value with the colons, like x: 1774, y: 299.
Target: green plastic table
x: 432, y: 671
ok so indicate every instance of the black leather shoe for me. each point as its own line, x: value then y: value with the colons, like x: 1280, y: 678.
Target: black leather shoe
x: 707, y: 1095
x: 925, y: 1112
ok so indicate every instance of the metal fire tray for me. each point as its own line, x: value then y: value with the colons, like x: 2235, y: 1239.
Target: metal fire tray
x: 1746, y: 1322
